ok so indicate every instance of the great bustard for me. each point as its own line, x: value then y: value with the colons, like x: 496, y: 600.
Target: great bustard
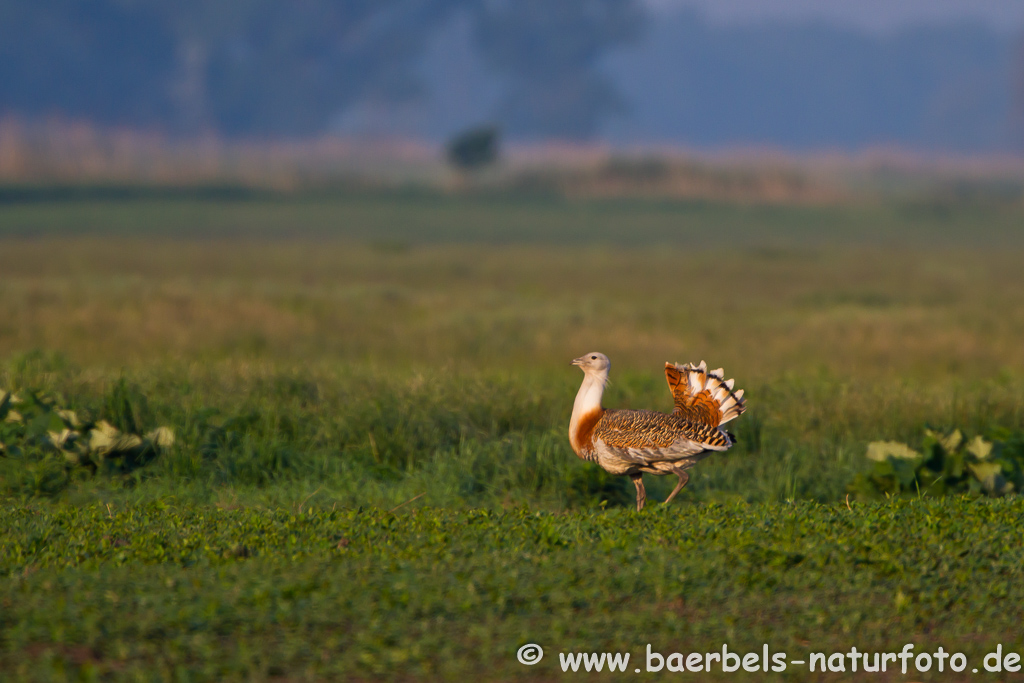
x: 635, y: 442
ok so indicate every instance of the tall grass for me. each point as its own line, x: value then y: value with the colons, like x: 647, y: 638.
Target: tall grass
x: 365, y: 350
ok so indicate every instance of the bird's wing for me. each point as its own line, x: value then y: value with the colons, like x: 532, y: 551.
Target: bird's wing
x: 703, y: 397
x: 645, y: 436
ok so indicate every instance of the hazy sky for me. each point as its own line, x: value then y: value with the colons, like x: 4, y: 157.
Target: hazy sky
x: 874, y: 15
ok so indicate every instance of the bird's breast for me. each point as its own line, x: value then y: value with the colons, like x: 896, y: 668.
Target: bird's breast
x: 581, y: 432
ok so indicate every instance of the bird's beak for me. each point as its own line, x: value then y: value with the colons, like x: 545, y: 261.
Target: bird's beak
x: 578, y: 361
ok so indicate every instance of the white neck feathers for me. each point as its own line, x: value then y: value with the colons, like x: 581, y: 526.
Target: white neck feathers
x: 588, y: 398
x: 588, y: 401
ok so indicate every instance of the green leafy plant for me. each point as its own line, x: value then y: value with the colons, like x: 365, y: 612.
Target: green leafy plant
x: 943, y: 464
x: 55, y: 442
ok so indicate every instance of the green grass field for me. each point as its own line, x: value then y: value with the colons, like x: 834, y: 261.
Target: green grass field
x: 196, y: 593
x: 326, y: 359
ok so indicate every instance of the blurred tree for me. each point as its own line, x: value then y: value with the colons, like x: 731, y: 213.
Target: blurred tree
x: 240, y: 67
x: 267, y: 67
x: 97, y: 59
x: 474, y: 148
x: 548, y: 53
x: 276, y: 68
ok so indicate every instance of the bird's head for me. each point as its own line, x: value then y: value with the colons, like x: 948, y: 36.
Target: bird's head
x: 594, y: 363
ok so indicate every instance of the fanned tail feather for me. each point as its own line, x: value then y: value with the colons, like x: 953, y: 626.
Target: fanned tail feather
x: 703, y: 395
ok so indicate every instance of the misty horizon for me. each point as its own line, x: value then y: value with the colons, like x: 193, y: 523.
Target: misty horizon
x: 930, y: 77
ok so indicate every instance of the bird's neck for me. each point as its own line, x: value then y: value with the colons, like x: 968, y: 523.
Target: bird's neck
x: 586, y: 410
x: 588, y: 398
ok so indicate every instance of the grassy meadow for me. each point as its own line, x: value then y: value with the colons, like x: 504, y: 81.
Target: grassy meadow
x: 370, y: 395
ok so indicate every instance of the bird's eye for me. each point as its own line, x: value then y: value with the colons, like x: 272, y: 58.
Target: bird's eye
x: 593, y: 358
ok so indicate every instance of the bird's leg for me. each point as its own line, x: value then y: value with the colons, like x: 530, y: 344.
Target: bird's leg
x: 641, y: 493
x: 683, y: 478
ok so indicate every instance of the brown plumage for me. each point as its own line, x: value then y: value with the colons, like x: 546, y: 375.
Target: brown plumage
x: 632, y: 442
x: 650, y: 429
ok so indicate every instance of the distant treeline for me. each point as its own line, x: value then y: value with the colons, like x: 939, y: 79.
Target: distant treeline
x: 538, y: 69
x: 287, y: 68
